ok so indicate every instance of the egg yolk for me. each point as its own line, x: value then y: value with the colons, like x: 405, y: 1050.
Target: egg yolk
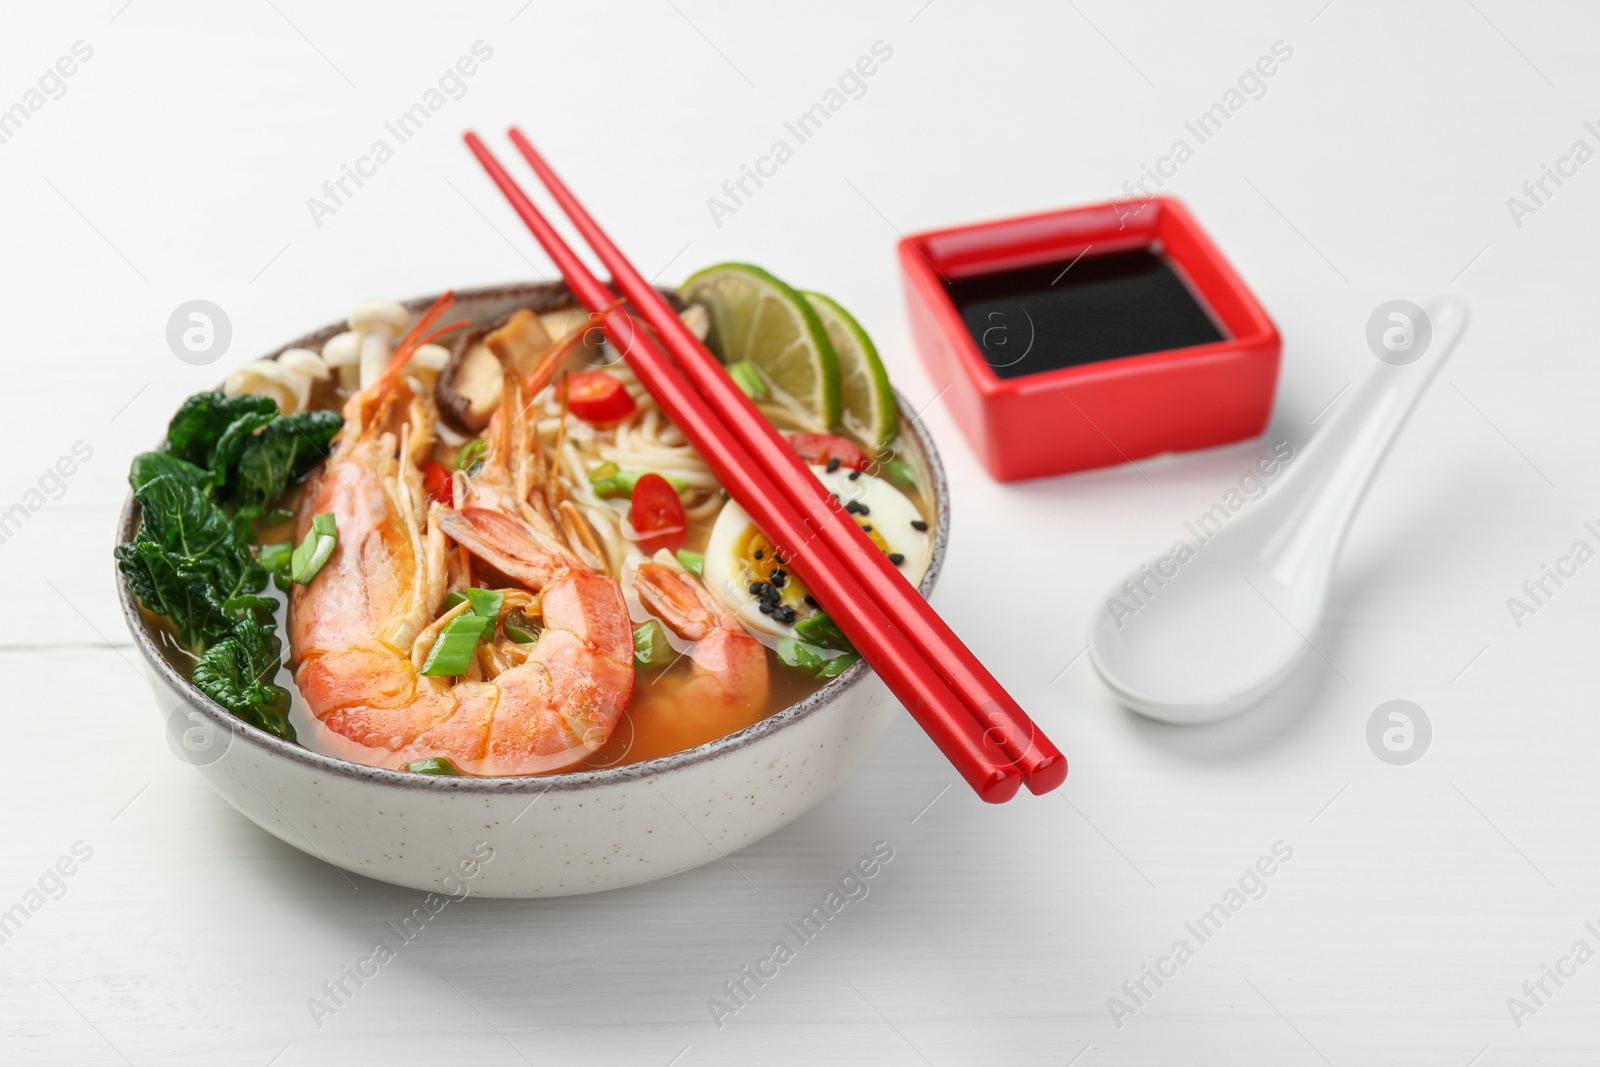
x: 757, y: 559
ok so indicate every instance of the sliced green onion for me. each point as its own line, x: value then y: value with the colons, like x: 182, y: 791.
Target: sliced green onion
x: 795, y: 653
x: 472, y: 454
x: 602, y: 472
x: 519, y: 627
x: 650, y: 647
x: 452, y: 651
x: 693, y: 562
x: 901, y: 473
x: 314, y: 550
x: 622, y: 483
x: 433, y: 765
x: 486, y: 602
x: 748, y: 379
x: 838, y: 664
x: 275, y: 557
x: 818, y: 629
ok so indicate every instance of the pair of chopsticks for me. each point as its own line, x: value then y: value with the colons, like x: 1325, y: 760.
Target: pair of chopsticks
x: 989, y: 739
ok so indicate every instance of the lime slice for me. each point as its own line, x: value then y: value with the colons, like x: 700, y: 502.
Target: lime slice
x: 869, y: 410
x: 760, y: 320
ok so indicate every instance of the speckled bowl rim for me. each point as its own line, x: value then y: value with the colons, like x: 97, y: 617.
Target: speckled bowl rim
x: 571, y: 781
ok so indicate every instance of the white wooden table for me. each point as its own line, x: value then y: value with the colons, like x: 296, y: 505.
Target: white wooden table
x: 176, y: 163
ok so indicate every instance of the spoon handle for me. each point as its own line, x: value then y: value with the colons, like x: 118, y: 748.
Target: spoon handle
x: 1320, y: 495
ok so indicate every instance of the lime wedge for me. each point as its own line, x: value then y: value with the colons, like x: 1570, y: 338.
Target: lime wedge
x: 869, y: 410
x: 758, y: 319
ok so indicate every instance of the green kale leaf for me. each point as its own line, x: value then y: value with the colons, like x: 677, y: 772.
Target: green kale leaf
x: 237, y: 673
x: 198, y: 427
x: 165, y: 585
x: 148, y: 466
x: 281, y: 455
x: 239, y: 437
x: 227, y: 462
x: 185, y: 523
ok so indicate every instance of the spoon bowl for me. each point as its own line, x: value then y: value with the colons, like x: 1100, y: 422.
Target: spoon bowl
x: 1215, y: 638
x: 1208, y: 631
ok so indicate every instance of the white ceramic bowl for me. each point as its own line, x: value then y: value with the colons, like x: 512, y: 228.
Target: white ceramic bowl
x: 532, y: 837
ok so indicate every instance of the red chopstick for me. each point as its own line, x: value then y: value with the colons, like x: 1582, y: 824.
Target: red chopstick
x: 1042, y: 764
x: 912, y: 680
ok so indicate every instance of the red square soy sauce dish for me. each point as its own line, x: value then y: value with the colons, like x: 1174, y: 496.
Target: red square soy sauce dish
x: 1090, y: 336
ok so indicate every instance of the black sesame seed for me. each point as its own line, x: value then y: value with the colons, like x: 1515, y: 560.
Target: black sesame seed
x: 896, y: 558
x: 856, y: 507
x: 918, y: 524
x: 758, y: 553
x: 866, y: 527
x: 811, y: 601
x: 854, y: 475
x: 778, y: 579
x: 765, y: 608
x: 755, y: 588
x: 833, y: 464
x: 783, y: 614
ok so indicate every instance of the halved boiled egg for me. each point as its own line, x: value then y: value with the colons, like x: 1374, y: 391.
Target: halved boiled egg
x: 743, y: 570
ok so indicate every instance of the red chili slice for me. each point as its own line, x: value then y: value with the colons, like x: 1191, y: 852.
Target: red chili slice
x: 657, y: 514
x: 598, y: 398
x: 436, y: 479
x: 820, y: 449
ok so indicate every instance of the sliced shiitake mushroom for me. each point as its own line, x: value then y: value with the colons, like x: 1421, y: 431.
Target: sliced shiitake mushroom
x: 520, y: 341
x: 470, y: 385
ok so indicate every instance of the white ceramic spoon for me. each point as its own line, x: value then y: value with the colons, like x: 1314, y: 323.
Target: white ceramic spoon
x: 1217, y: 636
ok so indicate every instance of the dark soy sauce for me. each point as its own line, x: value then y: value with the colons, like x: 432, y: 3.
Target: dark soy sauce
x: 1066, y: 314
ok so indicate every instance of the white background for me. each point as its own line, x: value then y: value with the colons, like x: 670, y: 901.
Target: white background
x: 177, y: 165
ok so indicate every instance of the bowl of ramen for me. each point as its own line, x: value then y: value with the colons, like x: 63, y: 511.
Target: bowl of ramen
x: 439, y: 593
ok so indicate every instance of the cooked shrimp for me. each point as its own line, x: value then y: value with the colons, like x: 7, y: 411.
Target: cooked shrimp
x: 730, y: 666
x: 510, y: 515
x: 362, y: 628
x: 386, y: 576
